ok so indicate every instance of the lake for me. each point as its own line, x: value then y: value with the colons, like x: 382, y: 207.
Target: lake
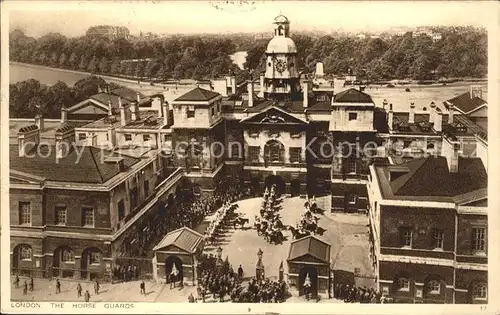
x: 22, y: 72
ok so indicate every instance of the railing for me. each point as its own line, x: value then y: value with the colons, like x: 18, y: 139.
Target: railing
x: 55, y: 272
x: 348, y: 176
x: 417, y: 253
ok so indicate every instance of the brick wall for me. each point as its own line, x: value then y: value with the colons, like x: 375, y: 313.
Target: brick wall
x: 464, y: 238
x: 421, y: 221
x: 36, y: 200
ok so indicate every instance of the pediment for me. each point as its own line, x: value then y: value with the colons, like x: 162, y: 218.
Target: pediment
x: 273, y: 115
x: 172, y: 248
x: 308, y: 258
x: 88, y: 106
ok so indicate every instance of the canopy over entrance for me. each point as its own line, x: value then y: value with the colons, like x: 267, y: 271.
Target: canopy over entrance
x: 309, y: 249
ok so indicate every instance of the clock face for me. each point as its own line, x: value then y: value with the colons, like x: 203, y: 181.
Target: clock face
x: 280, y: 65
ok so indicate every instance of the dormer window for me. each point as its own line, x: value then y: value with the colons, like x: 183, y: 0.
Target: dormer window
x: 190, y: 112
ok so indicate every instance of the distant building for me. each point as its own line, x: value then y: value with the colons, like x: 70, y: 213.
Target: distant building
x: 108, y: 31
x: 472, y: 105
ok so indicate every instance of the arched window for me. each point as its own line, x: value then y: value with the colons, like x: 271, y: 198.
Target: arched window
x: 275, y: 151
x: 67, y: 256
x: 430, y: 146
x: 479, y: 291
x: 403, y: 284
x: 25, y: 252
x: 433, y: 287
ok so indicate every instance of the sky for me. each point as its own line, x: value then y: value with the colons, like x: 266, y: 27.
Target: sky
x: 36, y: 18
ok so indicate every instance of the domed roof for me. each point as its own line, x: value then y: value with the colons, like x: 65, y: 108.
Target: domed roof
x: 281, y: 19
x: 281, y: 44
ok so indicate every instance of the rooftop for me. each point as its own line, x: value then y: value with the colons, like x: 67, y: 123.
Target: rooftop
x: 183, y: 238
x: 310, y: 245
x: 49, y: 130
x: 429, y: 179
x: 352, y: 95
x: 81, y: 165
x: 197, y: 94
x: 465, y: 103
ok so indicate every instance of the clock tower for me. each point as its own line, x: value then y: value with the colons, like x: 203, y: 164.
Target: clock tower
x: 281, y: 79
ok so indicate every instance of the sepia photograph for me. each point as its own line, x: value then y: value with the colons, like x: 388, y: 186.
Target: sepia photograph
x: 246, y: 152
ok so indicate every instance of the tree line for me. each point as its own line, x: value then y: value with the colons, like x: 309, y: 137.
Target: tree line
x: 29, y: 98
x: 462, y: 52
x: 177, y: 57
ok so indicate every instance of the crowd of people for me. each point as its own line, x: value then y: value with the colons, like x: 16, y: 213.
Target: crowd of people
x: 186, y: 210
x: 126, y: 273
x: 352, y: 294
x: 218, y: 281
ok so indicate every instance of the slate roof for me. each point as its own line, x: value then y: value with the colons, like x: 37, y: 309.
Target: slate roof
x: 465, y: 103
x: 352, y: 95
x: 129, y: 94
x: 104, y: 98
x: 421, y: 125
x: 197, y: 94
x: 84, y: 166
x: 310, y: 245
x: 183, y: 238
x: 427, y: 178
x: 470, y: 128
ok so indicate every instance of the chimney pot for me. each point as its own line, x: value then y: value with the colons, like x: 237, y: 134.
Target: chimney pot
x: 305, y: 97
x: 390, y: 118
x: 64, y: 115
x: 250, y: 93
x: 165, y: 113
x: 411, y: 116
x: 451, y: 113
x: 438, y: 120
x: 39, y: 122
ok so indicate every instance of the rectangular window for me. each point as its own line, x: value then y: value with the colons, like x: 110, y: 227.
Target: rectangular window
x: 128, y: 137
x: 353, y: 116
x: 24, y: 213
x: 146, y: 188
x: 479, y: 240
x: 406, y: 237
x: 189, y: 112
x: 438, y: 238
x: 146, y: 138
x: 68, y: 256
x: 352, y: 198
x: 88, y: 216
x: 121, y: 210
x: 82, y: 136
x: 61, y: 215
x: 133, y: 198
x: 167, y: 138
x: 218, y: 107
x: 351, y: 167
x: 25, y: 252
x: 95, y: 258
x: 253, y: 153
x: 213, y: 111
x: 295, y: 155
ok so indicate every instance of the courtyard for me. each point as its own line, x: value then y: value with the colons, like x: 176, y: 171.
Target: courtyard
x: 346, y: 233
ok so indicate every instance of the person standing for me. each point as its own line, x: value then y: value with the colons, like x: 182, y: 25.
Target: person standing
x: 58, y: 286
x: 96, y: 287
x: 240, y: 272
x: 32, y: 284
x: 191, y: 298
x: 143, y: 287
x: 79, y: 290
x: 25, y: 288
x: 87, y: 296
x: 16, y: 282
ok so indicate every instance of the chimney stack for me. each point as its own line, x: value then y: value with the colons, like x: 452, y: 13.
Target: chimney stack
x: 476, y: 91
x: 110, y: 108
x: 411, y: 117
x: 133, y: 111
x: 451, y: 113
x: 261, y: 93
x: 64, y: 115
x: 138, y: 97
x: 233, y: 84
x: 250, y: 93
x: 305, y: 96
x: 432, y: 112
x: 65, y: 137
x: 438, y: 120
x: 164, y: 108
x: 453, y: 156
x: 390, y: 119
x: 27, y: 138
x: 39, y: 122
x: 123, y: 116
x: 384, y: 104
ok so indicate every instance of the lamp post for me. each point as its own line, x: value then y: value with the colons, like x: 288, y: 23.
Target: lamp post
x: 259, y: 270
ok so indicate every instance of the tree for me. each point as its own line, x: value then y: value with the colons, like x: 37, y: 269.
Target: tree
x: 130, y: 68
x: 139, y: 70
x: 115, y: 67
x: 63, y: 59
x: 86, y: 87
x: 104, y: 65
x: 93, y: 66
x: 73, y: 61
x: 83, y: 62
x: 54, y: 59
